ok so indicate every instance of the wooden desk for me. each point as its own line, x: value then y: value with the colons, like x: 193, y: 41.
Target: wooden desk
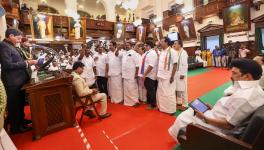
x: 51, y: 104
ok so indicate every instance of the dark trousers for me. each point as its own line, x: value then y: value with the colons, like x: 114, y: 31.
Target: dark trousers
x: 102, y: 84
x: 229, y: 62
x: 16, y: 99
x: 151, y: 87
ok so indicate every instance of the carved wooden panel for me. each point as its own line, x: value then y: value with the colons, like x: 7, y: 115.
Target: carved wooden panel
x: 190, y: 50
x: 99, y: 33
x: 60, y: 21
x: 25, y: 16
x: 167, y: 13
x: 213, y: 7
x: 54, y: 103
x: 167, y: 22
x: 99, y: 25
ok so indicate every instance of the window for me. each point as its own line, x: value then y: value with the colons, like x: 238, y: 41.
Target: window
x: 212, y: 41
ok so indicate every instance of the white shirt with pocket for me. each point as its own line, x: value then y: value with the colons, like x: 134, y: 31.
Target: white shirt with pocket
x: 100, y: 63
x: 130, y: 61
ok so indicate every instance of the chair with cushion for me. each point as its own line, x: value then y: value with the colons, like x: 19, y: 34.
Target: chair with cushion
x: 199, y: 137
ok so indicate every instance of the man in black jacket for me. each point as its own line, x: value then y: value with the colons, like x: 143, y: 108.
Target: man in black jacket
x: 14, y: 75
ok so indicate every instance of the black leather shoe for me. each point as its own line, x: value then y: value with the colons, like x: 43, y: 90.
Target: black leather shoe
x: 90, y: 114
x: 21, y: 129
x: 26, y: 121
x: 106, y: 115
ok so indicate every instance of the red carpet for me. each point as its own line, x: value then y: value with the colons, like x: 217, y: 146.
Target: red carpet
x: 200, y: 84
x: 128, y: 128
x: 67, y: 139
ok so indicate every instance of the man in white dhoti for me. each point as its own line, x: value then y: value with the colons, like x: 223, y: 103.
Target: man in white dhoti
x: 181, y: 76
x: 113, y: 72
x: 239, y: 101
x: 89, y: 69
x: 130, y: 66
x: 166, y: 96
x: 148, y: 72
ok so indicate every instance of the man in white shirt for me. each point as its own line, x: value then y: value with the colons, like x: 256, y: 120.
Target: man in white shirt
x: 113, y: 72
x: 141, y: 87
x: 166, y: 96
x: 181, y: 76
x: 240, y: 101
x: 54, y: 66
x: 89, y: 69
x: 130, y: 66
x: 148, y: 72
x: 100, y: 62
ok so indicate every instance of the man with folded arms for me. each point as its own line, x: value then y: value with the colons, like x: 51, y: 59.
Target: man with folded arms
x: 240, y: 100
x: 82, y: 89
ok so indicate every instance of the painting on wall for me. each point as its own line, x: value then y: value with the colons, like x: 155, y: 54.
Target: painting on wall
x: 41, y: 27
x: 141, y: 33
x: 187, y: 30
x: 157, y: 33
x: 119, y: 32
x: 237, y: 18
x: 77, y: 29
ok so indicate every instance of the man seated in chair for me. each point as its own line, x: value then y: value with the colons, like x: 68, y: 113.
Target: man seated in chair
x: 82, y: 89
x: 240, y: 101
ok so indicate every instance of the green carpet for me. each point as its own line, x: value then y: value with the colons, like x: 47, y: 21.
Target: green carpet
x: 197, y: 71
x: 211, y: 98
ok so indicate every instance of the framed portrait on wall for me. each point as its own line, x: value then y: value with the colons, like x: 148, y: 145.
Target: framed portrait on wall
x: 157, y: 33
x: 41, y: 27
x: 187, y: 30
x: 119, y: 32
x: 141, y: 33
x: 77, y: 29
x: 237, y: 18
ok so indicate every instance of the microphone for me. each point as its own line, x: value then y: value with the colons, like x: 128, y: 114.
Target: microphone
x: 49, y: 50
x: 39, y: 46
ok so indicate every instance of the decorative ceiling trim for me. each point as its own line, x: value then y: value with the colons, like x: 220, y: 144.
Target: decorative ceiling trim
x: 258, y: 19
x: 211, y: 27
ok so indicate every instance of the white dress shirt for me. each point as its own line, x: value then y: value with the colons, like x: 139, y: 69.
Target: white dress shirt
x: 182, y: 64
x: 151, y: 60
x: 130, y: 61
x: 100, y: 63
x: 245, y: 98
x: 88, y: 73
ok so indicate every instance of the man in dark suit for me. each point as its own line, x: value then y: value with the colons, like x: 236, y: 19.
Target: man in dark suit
x: 14, y: 75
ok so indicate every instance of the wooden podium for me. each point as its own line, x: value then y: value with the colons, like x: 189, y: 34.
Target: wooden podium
x: 51, y: 104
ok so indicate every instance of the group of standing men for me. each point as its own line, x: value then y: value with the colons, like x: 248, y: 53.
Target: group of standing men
x: 157, y: 76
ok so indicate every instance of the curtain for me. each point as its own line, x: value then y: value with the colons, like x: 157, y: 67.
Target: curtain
x: 221, y: 40
x: 258, y: 39
x: 202, y: 42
